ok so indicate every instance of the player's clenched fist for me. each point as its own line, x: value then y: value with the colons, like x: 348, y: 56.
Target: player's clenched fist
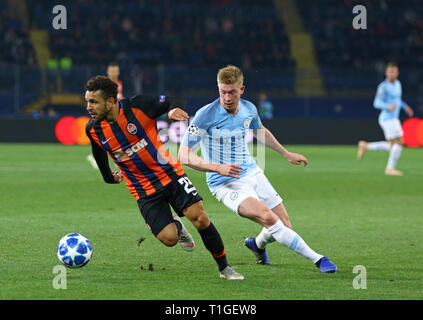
x: 177, y: 114
x: 118, y: 176
x: 296, y: 158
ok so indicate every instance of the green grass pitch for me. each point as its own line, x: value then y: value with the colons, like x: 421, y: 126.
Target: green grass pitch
x: 343, y: 208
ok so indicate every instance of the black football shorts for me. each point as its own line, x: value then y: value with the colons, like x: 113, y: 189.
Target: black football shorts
x: 155, y: 209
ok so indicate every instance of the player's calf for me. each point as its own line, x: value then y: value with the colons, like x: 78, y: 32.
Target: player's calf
x: 362, y: 148
x: 282, y: 214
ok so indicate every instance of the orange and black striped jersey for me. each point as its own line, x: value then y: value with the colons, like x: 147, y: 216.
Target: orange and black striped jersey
x: 134, y: 145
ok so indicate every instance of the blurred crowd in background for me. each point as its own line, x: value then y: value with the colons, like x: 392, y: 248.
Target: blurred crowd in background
x: 188, y: 32
x: 174, y: 45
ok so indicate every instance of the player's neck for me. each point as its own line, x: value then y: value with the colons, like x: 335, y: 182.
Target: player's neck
x: 234, y: 112
x: 113, y: 114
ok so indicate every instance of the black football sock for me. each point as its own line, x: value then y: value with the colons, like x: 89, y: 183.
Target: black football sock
x: 213, y: 242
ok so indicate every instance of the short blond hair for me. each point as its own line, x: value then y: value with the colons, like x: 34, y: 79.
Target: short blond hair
x: 230, y: 75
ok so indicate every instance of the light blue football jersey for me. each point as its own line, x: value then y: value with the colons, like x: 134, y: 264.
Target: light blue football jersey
x: 389, y: 93
x: 222, y: 137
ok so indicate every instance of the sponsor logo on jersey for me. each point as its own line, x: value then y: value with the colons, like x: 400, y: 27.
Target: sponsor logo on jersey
x: 136, y: 147
x: 122, y: 154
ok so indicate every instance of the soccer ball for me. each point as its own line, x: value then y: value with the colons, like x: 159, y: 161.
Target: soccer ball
x: 74, y: 250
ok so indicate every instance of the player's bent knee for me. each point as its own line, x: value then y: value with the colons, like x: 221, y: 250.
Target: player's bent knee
x: 197, y: 215
x: 202, y: 221
x: 398, y: 141
x: 169, y: 235
x: 267, y: 217
x: 168, y: 241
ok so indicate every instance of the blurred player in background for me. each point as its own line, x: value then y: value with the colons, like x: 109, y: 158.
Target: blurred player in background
x: 265, y: 107
x: 389, y: 100
x: 113, y: 72
x: 232, y: 174
x: 126, y: 130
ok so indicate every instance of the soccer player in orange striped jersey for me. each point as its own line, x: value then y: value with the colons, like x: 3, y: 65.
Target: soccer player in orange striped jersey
x: 113, y: 72
x: 126, y: 131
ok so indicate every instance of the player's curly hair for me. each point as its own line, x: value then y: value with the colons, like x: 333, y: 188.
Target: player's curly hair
x: 109, y: 88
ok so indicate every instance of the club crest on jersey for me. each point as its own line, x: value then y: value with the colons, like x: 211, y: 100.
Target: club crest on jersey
x: 162, y: 99
x: 247, y: 123
x: 132, y: 128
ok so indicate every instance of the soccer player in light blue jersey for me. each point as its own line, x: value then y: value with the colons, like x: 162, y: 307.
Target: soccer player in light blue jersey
x: 389, y: 100
x: 233, y: 176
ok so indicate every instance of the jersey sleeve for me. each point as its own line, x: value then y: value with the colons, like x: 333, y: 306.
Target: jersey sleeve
x: 255, y: 122
x: 101, y: 158
x: 196, y: 130
x: 154, y: 106
x: 379, y: 101
x: 403, y: 104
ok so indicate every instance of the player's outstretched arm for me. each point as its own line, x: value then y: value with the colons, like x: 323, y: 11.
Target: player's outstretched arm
x: 177, y: 114
x: 191, y: 159
x: 269, y: 140
x: 155, y: 106
x: 409, y: 111
x: 102, y: 160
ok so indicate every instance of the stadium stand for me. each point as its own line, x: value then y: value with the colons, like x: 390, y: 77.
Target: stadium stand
x: 355, y: 59
x: 177, y: 46
x: 15, y: 45
x: 187, y: 32
x: 161, y: 40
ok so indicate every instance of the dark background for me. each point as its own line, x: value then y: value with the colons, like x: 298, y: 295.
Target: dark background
x: 322, y: 90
